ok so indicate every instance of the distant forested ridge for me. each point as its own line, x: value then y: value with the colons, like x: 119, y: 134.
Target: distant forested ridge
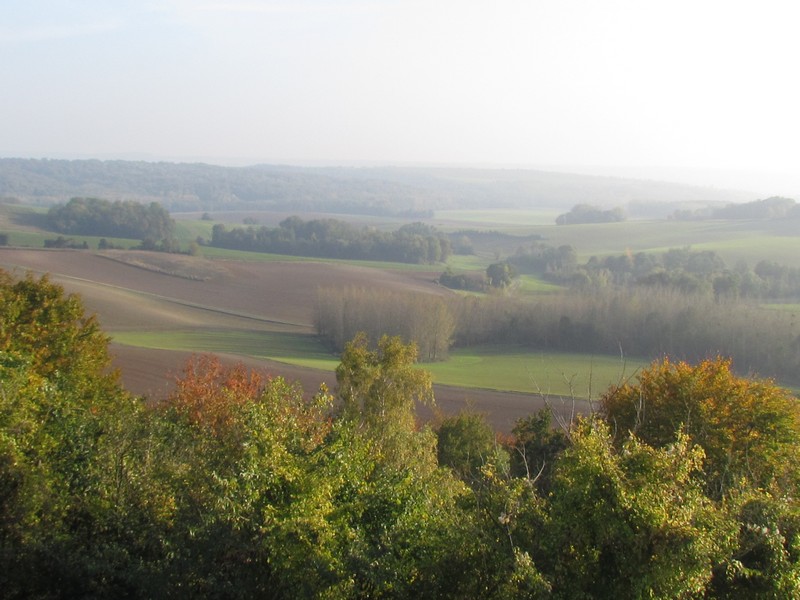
x: 414, y: 243
x: 397, y: 191
x: 774, y: 207
x: 124, y: 219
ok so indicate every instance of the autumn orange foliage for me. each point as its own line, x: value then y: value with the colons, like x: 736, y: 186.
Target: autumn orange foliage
x: 207, y: 392
x: 747, y: 427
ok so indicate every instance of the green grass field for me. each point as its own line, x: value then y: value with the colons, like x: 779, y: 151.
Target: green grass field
x: 223, y: 253
x: 30, y: 239
x: 515, y: 370
x: 187, y: 231
x: 734, y: 240
x: 528, y: 284
x: 292, y: 348
x: 517, y: 222
x: 525, y: 370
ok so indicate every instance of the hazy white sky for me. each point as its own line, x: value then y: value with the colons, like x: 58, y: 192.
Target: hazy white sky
x: 700, y: 83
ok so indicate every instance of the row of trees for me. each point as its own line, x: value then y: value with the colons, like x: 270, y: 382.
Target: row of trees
x: 424, y: 319
x: 641, y: 322
x: 683, y: 269
x: 542, y: 259
x: 125, y: 219
x: 697, y: 272
x: 684, y: 485
x: 644, y: 322
x: 413, y: 243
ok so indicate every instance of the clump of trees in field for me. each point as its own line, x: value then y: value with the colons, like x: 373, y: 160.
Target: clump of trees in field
x: 424, y: 319
x: 685, y: 484
x: 462, y: 281
x: 581, y: 214
x: 121, y: 218
x: 701, y: 272
x: 415, y: 243
x: 682, y: 269
x: 62, y: 242
x: 545, y: 260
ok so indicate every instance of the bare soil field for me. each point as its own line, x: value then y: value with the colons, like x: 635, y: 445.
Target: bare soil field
x: 146, y: 291
x: 284, y: 292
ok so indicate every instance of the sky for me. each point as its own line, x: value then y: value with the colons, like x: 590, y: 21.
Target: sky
x: 614, y: 86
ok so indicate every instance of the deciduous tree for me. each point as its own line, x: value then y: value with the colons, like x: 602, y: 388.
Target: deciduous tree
x: 749, y: 429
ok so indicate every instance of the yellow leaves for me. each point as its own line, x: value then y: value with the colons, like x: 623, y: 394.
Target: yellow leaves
x: 747, y: 428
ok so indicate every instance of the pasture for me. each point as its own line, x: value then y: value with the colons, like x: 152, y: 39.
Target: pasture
x: 734, y: 240
x: 260, y: 308
x: 528, y: 371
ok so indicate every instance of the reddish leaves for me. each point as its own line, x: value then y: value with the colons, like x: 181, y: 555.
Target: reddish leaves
x: 208, y: 392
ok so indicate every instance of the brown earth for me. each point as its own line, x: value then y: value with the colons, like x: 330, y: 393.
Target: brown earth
x: 284, y: 292
x: 146, y: 291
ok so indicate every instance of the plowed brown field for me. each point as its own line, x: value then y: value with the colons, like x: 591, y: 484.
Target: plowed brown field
x: 147, y: 291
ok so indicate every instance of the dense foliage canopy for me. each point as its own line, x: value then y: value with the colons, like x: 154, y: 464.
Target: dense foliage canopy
x: 404, y: 191
x: 240, y: 485
x: 581, y: 214
x: 330, y: 238
x: 125, y: 219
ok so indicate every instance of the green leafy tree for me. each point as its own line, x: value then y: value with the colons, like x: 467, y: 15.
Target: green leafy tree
x: 749, y: 429
x: 77, y: 517
x: 466, y: 443
x: 250, y: 513
x: 632, y: 523
x: 766, y: 560
x: 379, y: 387
x: 535, y: 447
x: 499, y: 274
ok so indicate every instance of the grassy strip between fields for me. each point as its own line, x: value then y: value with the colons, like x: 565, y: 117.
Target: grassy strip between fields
x: 515, y: 370
x: 298, y: 349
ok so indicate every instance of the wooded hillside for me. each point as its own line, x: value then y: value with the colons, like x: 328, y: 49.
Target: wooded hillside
x: 410, y: 192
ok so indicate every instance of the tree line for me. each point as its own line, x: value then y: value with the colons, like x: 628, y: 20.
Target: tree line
x: 390, y: 191
x: 645, y: 322
x: 774, y: 207
x: 684, y: 484
x: 414, y: 243
x: 702, y: 272
x: 424, y: 319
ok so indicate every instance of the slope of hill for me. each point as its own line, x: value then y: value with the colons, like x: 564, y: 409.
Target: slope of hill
x: 377, y: 191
